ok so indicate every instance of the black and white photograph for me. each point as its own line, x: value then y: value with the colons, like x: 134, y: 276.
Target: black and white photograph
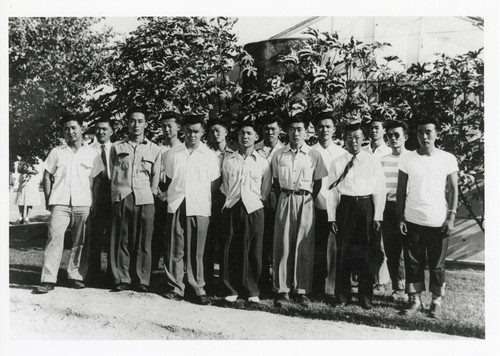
x: 248, y: 174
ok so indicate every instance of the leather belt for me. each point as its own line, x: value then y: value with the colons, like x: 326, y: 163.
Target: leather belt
x: 355, y: 198
x: 295, y: 192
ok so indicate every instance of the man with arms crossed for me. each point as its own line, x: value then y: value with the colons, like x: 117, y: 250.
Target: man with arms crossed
x: 426, y: 218
x: 193, y: 175
x: 70, y: 170
x: 325, y: 249
x: 135, y: 175
x: 267, y: 148
x: 246, y: 181
x: 297, y: 172
x: 355, y: 213
x: 397, y: 134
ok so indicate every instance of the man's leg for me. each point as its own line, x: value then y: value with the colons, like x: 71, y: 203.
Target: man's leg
x: 174, y: 266
x: 437, y: 244
x: 196, y: 234
x: 79, y: 257
x: 120, y: 236
x: 253, y: 235
x: 304, y: 244
x: 232, y: 261
x: 283, y: 245
x: 145, y: 217
x: 158, y: 238
x: 267, y: 249
x: 331, y: 263
x: 321, y: 244
x: 393, y: 242
x: 415, y: 259
x: 60, y: 217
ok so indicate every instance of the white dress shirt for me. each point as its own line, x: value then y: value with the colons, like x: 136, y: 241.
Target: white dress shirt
x: 380, y: 151
x: 267, y: 152
x: 366, y: 177
x: 248, y: 179
x: 329, y: 154
x: 107, y: 149
x: 73, y: 173
x: 298, y: 170
x: 191, y: 175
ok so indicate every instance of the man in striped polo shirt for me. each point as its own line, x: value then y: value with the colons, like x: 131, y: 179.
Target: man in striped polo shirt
x: 397, y: 134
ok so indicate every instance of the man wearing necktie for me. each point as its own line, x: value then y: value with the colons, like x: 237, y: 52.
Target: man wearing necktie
x: 355, y: 213
x: 101, y: 210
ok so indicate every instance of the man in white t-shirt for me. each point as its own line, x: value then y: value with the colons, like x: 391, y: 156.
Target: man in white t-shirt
x: 325, y: 244
x: 397, y: 134
x: 193, y: 175
x: 426, y: 218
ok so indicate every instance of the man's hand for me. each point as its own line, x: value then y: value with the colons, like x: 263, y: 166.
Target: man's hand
x: 376, y: 226
x: 333, y: 227
x: 402, y: 227
x: 47, y: 206
x: 448, y: 226
x: 162, y: 196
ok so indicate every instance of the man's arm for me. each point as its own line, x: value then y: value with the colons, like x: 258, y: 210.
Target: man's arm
x: 316, y: 187
x: 277, y: 188
x: 215, y: 185
x: 401, y: 200
x: 452, y: 203
x: 155, y: 172
x: 379, y: 195
x: 47, y: 187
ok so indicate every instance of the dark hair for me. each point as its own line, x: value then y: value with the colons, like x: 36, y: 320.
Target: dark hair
x: 171, y: 115
x: 271, y: 119
x: 353, y: 127
x: 424, y: 120
x: 213, y: 122
x: 138, y: 109
x: 193, y: 119
x: 68, y: 116
x: 103, y: 120
x: 379, y: 119
x: 392, y: 124
x: 247, y: 123
x: 297, y: 118
x: 325, y: 115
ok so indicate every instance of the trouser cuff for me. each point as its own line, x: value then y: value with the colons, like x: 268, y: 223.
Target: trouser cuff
x: 415, y: 287
x: 437, y: 290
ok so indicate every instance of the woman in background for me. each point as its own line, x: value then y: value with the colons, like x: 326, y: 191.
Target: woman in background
x: 28, y: 191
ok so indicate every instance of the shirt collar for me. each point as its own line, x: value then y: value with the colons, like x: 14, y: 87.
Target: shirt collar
x: 304, y: 149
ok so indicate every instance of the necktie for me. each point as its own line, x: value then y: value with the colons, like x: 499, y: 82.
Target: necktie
x: 344, y: 173
x: 104, y: 161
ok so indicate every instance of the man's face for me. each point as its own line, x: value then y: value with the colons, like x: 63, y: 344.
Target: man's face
x: 137, y: 123
x: 103, y: 132
x: 72, y: 131
x: 324, y: 130
x: 353, y: 141
x: 426, y: 135
x: 247, y: 136
x: 296, y: 133
x: 217, y: 133
x: 193, y: 134
x: 170, y: 128
x: 396, y: 137
x: 271, y: 133
x: 377, y: 131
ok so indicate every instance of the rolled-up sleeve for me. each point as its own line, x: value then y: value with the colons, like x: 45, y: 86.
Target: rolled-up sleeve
x: 266, y: 181
x: 379, y: 191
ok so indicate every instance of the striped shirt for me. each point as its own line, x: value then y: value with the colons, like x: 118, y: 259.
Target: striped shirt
x: 391, y: 171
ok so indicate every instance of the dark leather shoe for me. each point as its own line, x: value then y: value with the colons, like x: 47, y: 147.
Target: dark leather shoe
x: 142, y: 288
x: 304, y: 301
x: 120, y: 287
x: 281, y: 299
x: 435, y: 311
x: 202, y: 300
x: 415, y: 306
x: 73, y: 283
x: 44, y: 288
x: 172, y: 296
x: 366, y: 306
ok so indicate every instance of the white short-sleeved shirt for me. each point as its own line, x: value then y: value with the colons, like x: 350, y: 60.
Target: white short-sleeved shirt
x: 380, y: 151
x: 72, y: 173
x: 425, y: 198
x: 191, y: 175
x: 329, y: 154
x: 298, y: 170
x: 248, y: 179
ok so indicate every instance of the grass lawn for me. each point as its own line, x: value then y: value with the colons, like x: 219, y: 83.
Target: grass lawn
x: 463, y: 305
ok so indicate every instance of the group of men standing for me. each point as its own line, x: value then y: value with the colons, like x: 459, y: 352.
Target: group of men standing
x: 300, y: 219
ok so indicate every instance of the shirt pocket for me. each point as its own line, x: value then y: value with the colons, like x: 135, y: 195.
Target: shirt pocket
x: 85, y: 169
x: 255, y: 181
x: 146, y: 165
x: 306, y: 171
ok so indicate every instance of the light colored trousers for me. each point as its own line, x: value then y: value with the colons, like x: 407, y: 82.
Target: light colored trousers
x: 60, y: 218
x: 293, y: 250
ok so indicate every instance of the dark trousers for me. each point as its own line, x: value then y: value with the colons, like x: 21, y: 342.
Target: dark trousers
x: 159, y: 243
x: 393, y: 245
x: 419, y: 241
x: 100, y: 229
x: 131, y: 233
x: 359, y: 247
x: 214, y: 245
x: 321, y: 234
x: 187, y: 236
x: 267, y: 249
x: 242, y: 264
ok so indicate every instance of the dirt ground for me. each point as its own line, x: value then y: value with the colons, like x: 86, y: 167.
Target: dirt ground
x: 97, y: 314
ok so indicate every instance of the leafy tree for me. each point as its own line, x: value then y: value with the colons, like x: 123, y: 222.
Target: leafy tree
x: 54, y: 64
x: 174, y: 63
